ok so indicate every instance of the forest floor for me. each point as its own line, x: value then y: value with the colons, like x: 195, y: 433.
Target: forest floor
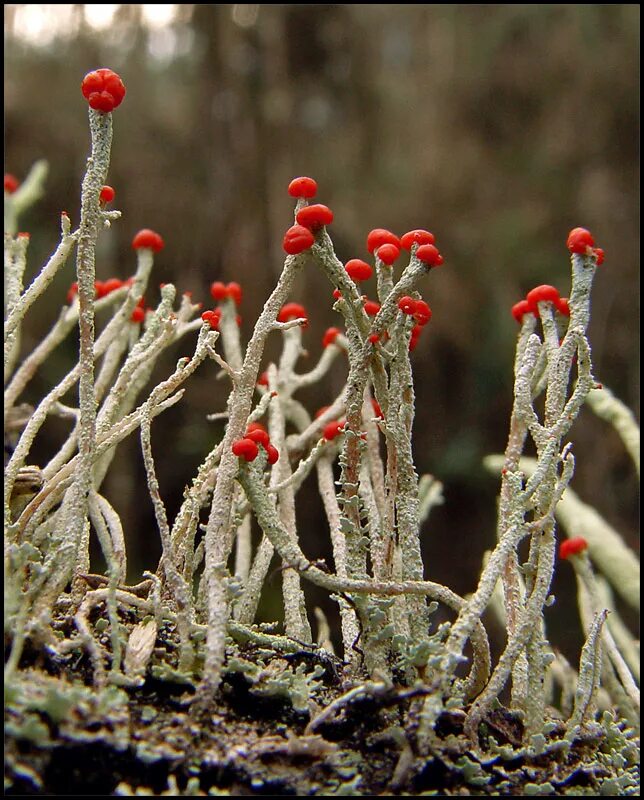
x: 271, y: 732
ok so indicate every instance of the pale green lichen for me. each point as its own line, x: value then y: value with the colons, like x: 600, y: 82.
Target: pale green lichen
x: 278, y: 680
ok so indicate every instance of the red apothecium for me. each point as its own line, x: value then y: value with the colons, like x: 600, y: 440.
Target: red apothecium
x: 358, y: 270
x: 297, y: 239
x: 149, y: 239
x: 246, y: 449
x: 107, y: 194
x: 103, y: 89
x: 429, y: 254
x: 572, y: 547
x: 579, y: 240
x: 418, y: 236
x: 379, y: 236
x: 303, y: 187
x: 314, y: 217
x: 388, y: 253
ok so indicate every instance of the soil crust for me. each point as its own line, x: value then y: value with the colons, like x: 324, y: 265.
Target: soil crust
x: 265, y: 734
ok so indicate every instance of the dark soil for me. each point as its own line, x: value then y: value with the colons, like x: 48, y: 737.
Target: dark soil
x: 63, y: 737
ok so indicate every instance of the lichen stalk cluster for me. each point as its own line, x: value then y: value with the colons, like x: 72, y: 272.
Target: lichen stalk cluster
x: 202, y: 600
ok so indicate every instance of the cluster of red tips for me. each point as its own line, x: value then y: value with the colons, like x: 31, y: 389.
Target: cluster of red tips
x: 572, y: 547
x: 314, y: 217
x: 297, y: 239
x: 103, y: 89
x: 377, y: 411
x: 420, y: 311
x: 358, y: 270
x: 387, y: 245
x: 407, y: 304
x: 101, y: 288
x: 581, y: 241
x: 309, y: 219
x: 418, y: 236
x: 292, y: 311
x: 248, y: 447
x: 263, y: 379
x: 540, y: 294
x: 333, y: 429
x: 222, y: 291
x: 379, y: 237
x: 11, y: 183
x: 148, y: 239
x: 426, y: 250
x: 213, y: 318
x: 258, y: 433
x: 107, y: 195
x: 330, y: 335
x: 388, y: 253
x: 303, y: 187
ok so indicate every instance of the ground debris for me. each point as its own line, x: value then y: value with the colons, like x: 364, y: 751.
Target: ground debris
x: 63, y: 736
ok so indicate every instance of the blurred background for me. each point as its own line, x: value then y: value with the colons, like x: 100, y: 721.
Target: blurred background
x: 497, y: 127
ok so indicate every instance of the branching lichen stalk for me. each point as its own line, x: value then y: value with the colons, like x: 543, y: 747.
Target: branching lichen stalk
x: 219, y: 539
x: 90, y: 220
